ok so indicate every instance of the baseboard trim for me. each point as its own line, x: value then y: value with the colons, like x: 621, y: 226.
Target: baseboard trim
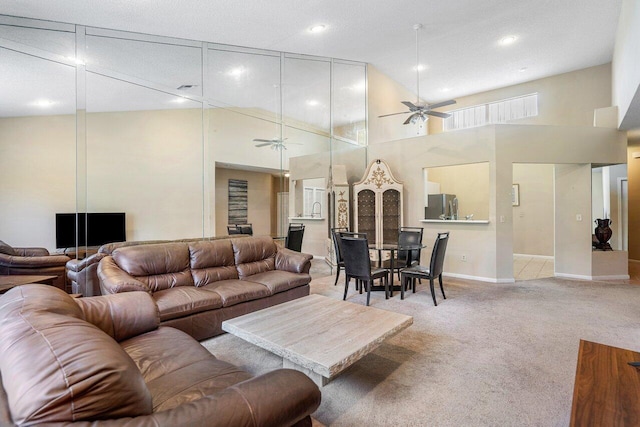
x: 549, y: 257
x: 572, y: 276
x: 478, y: 278
x: 614, y: 277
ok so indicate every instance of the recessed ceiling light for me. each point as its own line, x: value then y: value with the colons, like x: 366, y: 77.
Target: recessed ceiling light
x: 179, y: 100
x: 236, y: 72
x: 75, y: 60
x: 43, y: 103
x: 419, y: 67
x: 317, y: 28
x: 287, y: 174
x: 505, y: 41
x: 312, y: 102
x: 523, y: 69
x: 445, y: 89
x: 359, y: 87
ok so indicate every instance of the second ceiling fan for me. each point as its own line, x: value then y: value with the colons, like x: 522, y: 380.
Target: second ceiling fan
x: 420, y: 109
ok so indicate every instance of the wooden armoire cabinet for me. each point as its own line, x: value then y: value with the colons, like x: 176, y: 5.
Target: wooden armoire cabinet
x: 378, y: 204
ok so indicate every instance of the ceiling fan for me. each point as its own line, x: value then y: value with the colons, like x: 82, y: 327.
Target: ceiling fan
x: 419, y: 109
x: 275, y: 143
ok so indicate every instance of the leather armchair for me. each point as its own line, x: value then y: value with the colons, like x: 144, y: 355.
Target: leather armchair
x: 33, y: 261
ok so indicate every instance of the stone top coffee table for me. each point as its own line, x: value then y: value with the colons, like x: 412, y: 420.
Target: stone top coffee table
x: 317, y: 335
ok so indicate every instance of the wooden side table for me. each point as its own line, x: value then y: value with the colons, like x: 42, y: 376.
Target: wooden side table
x: 607, y: 388
x: 11, y: 281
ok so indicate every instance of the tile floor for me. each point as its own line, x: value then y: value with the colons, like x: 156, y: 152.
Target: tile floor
x: 527, y: 267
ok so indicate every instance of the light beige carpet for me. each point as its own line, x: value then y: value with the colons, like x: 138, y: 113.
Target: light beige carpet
x: 489, y: 355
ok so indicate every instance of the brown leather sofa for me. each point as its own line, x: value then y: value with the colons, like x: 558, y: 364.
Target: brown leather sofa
x: 198, y: 285
x: 32, y: 261
x: 82, y: 274
x: 105, y: 361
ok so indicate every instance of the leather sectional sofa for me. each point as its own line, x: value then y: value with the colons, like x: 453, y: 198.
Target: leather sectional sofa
x: 198, y: 285
x: 33, y: 261
x: 105, y: 361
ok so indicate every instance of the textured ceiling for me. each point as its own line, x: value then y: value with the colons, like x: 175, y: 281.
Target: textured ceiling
x: 459, y: 43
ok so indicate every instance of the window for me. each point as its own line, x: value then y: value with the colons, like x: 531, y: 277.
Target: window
x: 494, y: 112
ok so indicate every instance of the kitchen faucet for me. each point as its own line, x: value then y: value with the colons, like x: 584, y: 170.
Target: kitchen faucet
x: 313, y: 209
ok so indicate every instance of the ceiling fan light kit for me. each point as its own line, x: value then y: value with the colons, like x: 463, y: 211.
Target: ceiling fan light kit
x: 421, y: 110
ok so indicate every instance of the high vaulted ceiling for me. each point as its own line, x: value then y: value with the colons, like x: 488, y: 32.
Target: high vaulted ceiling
x: 460, y: 43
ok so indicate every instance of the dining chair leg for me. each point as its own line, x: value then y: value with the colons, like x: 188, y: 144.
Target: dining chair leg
x: 433, y: 294
x: 441, y: 288
x: 403, y: 283
x: 360, y: 285
x: 337, y: 276
x: 346, y: 286
x: 386, y: 286
x: 413, y: 285
x: 368, y: 284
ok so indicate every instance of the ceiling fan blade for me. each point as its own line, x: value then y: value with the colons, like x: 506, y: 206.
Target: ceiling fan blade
x: 394, y: 114
x: 441, y: 104
x: 406, y: 122
x: 438, y: 114
x: 411, y: 106
x: 262, y: 145
x: 262, y: 140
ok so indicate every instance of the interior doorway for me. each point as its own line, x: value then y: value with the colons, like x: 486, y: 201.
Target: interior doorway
x: 533, y: 221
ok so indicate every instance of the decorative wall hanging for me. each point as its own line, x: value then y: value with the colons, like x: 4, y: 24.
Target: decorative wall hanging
x: 238, y: 201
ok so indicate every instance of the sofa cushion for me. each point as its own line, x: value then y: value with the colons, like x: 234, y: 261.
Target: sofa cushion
x: 184, y: 300
x: 280, y: 281
x: 57, y: 367
x: 212, y: 261
x: 254, y: 255
x: 234, y: 292
x: 160, y: 266
x: 183, y: 371
x: 6, y: 249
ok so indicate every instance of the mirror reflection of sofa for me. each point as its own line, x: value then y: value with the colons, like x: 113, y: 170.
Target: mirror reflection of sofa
x: 107, y: 361
x: 33, y: 261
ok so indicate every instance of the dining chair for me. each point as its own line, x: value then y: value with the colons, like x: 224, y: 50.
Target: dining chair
x: 422, y: 272
x: 357, y: 265
x: 233, y: 229
x: 336, y: 249
x: 406, y: 258
x: 294, y: 237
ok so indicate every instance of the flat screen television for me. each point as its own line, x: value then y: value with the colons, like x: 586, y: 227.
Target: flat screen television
x: 94, y: 228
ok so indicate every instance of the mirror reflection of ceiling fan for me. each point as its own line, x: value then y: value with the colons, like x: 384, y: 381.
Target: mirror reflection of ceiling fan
x: 419, y: 109
x: 275, y: 143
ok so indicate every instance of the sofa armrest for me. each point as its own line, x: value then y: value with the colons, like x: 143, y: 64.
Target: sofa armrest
x: 31, y: 251
x: 121, y: 316
x: 292, y: 261
x: 279, y: 398
x: 114, y: 280
x: 80, y: 264
x: 33, y: 261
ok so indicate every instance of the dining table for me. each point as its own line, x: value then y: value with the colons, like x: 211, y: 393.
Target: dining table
x: 392, y: 248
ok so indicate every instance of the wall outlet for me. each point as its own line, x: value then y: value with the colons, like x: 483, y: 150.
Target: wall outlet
x: 501, y: 218
x: 578, y: 217
x: 463, y: 258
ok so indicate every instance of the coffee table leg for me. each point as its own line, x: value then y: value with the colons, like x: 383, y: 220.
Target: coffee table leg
x: 316, y: 378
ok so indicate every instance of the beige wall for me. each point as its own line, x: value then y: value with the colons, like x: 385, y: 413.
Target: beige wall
x: 564, y: 100
x: 488, y: 248
x: 533, y: 220
x: 259, y: 199
x: 626, y: 66
x: 37, y: 177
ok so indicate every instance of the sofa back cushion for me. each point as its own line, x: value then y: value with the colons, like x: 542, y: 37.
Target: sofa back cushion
x: 212, y: 261
x: 57, y: 367
x: 6, y: 249
x: 254, y: 255
x: 161, y: 266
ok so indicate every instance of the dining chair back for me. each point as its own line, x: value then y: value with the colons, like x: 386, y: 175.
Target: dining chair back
x: 294, y: 237
x: 434, y: 270
x: 409, y: 236
x: 357, y: 264
x: 336, y: 250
